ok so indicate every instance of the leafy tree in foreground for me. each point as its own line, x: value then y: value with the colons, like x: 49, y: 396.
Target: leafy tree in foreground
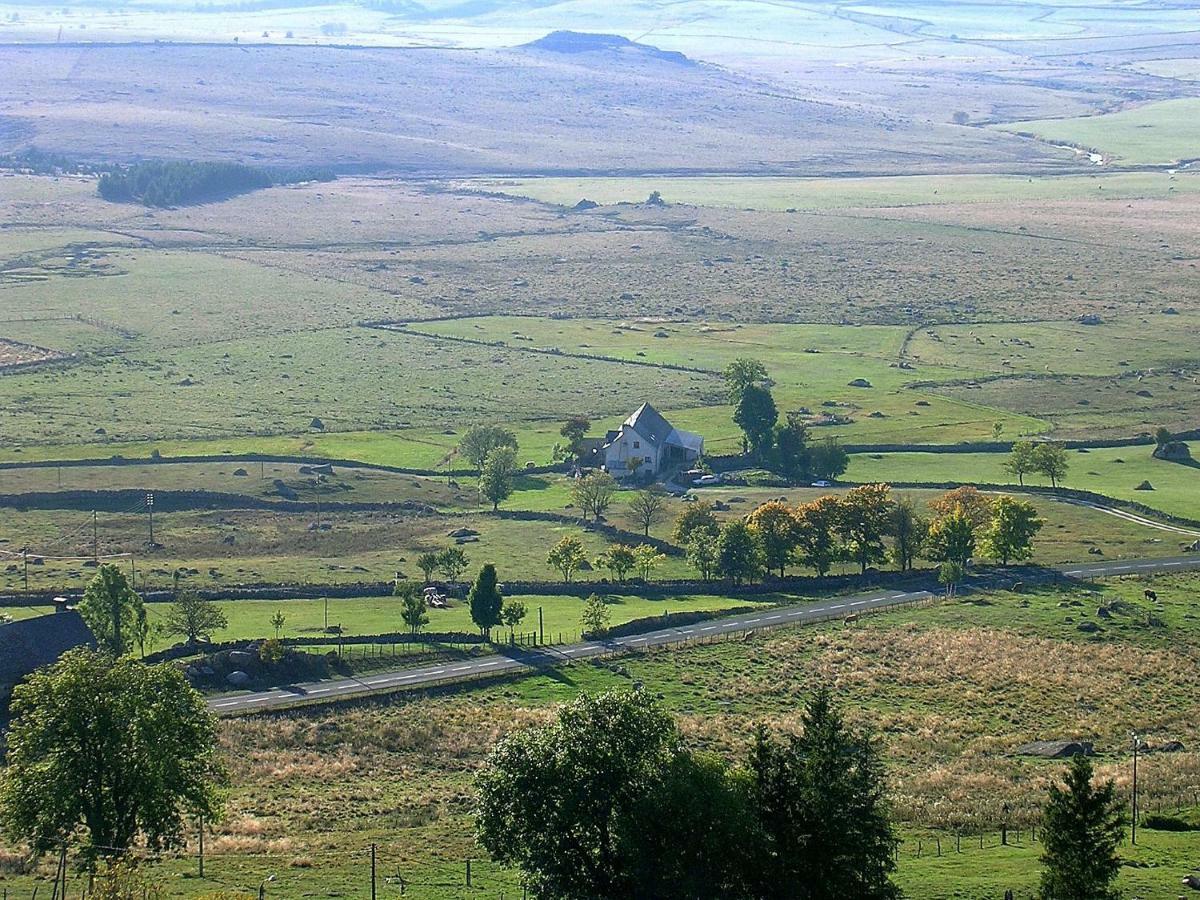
x: 825, y: 829
x: 594, y: 618
x: 113, y: 611
x: 567, y: 556
x: 480, y: 440
x: 485, y: 600
x: 756, y: 415
x: 778, y: 530
x: 739, y: 553
x: 110, y: 752
x: 908, y: 530
x: 1010, y: 534
x: 648, y: 506
x: 1081, y: 828
x: 496, y: 476
x: 864, y: 522
x: 817, y: 545
x: 557, y: 801
x: 193, y: 618
x: 698, y: 516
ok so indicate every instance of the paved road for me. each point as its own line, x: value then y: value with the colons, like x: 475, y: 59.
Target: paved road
x: 543, y: 657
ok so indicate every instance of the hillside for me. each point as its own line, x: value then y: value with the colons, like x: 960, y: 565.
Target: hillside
x: 453, y: 112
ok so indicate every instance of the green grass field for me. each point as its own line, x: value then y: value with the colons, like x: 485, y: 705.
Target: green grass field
x: 776, y: 194
x: 1154, y: 134
x: 1114, y: 472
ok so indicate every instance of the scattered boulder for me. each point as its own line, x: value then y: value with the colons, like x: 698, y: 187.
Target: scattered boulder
x: 585, y: 204
x: 322, y: 469
x: 316, y: 424
x: 1169, y: 747
x: 241, y: 658
x: 1144, y: 486
x: 1056, y: 749
x: 1095, y: 551
x: 240, y: 473
x: 237, y: 678
x: 1087, y: 627
x: 1090, y: 319
x: 1173, y: 451
x: 462, y: 532
x: 1103, y: 612
x: 229, y: 540
x: 860, y: 383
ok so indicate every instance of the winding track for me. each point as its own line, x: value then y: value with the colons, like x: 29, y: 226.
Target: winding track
x: 546, y: 657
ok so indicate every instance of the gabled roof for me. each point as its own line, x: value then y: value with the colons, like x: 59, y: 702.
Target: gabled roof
x: 29, y: 644
x: 649, y: 423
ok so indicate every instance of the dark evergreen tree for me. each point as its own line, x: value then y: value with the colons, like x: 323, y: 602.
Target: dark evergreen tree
x: 485, y: 600
x: 1081, y: 828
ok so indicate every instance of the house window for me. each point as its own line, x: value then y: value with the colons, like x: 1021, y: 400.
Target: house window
x: 649, y: 459
x: 637, y: 445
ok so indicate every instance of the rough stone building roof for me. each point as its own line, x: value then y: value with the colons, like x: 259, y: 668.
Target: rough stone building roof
x: 29, y: 644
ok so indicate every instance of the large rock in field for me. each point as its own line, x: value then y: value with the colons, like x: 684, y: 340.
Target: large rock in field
x: 1173, y: 451
x: 1056, y: 749
x: 241, y: 658
x: 238, y: 678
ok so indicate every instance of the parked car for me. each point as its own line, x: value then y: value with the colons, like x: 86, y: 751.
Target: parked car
x: 822, y: 484
x: 706, y: 480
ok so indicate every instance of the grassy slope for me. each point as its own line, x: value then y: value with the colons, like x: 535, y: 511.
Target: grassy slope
x: 1114, y: 472
x: 1155, y: 134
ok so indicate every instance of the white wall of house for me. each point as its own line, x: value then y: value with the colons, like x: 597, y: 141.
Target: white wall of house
x: 629, y: 445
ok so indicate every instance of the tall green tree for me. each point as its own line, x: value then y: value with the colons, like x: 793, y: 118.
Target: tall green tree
x: 864, y: 520
x: 739, y: 553
x: 481, y: 440
x: 559, y: 801
x: 778, y: 530
x: 825, y: 829
x: 496, y: 476
x: 567, y: 556
x: 647, y: 558
x: 756, y: 415
x: 828, y: 460
x: 113, y: 611
x: 512, y: 614
x: 594, y: 618
x: 1082, y: 826
x: 485, y: 600
x: 1009, y: 536
x: 1022, y: 459
x: 742, y: 373
x: 428, y: 562
x: 817, y: 544
x: 1050, y: 459
x: 413, y: 609
x: 452, y: 562
x: 908, y: 530
x: 193, y: 618
x: 110, y: 752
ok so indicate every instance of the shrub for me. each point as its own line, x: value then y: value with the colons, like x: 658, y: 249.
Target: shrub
x: 1159, y: 822
x: 271, y: 652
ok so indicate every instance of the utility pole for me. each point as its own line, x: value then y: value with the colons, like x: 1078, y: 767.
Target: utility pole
x: 1133, y: 821
x: 372, y: 872
x: 541, y: 627
x: 150, y: 509
x: 25, y: 559
x: 202, y: 846
x: 95, y: 539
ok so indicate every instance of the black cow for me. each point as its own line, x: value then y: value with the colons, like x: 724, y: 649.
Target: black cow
x: 1151, y: 595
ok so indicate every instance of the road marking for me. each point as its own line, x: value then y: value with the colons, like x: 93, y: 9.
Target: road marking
x: 773, y: 618
x: 837, y: 606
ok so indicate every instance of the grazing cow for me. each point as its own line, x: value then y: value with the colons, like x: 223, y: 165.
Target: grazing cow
x: 850, y: 619
x: 1150, y: 595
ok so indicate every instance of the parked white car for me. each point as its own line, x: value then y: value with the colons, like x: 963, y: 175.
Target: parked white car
x: 821, y: 484
x: 706, y: 480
